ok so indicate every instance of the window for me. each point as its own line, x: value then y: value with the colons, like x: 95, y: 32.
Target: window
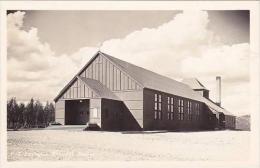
x: 197, y: 111
x: 180, y: 109
x: 170, y: 108
x: 157, y: 106
x: 189, y: 110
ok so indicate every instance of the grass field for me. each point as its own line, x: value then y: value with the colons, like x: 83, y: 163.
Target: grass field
x: 74, y: 144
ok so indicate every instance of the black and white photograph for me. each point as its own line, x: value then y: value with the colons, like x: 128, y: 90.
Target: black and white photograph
x: 169, y: 85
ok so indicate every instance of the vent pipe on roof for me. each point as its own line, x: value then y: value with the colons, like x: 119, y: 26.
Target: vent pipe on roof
x: 218, y: 91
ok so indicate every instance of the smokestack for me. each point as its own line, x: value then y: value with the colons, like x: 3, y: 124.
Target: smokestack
x: 218, y: 91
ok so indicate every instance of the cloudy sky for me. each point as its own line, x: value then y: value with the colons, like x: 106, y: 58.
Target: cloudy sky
x: 47, y: 48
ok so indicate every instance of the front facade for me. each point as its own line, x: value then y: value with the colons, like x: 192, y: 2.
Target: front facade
x: 117, y: 95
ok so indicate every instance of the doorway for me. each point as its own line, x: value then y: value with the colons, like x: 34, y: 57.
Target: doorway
x: 76, y: 112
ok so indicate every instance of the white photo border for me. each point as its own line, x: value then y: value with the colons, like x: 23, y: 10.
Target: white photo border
x: 253, y: 6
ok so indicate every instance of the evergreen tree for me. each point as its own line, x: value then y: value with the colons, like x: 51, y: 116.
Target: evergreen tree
x: 12, y: 113
x: 30, y: 113
x: 21, y: 111
x: 34, y: 114
x: 52, y: 113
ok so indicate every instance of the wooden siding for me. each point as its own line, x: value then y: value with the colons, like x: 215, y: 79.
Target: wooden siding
x: 133, y: 100
x: 104, y: 71
x: 78, y: 90
x: 112, y: 115
x: 115, y: 116
x: 60, y: 111
x: 110, y: 75
x: 95, y: 104
x: 176, y: 123
x: 230, y: 122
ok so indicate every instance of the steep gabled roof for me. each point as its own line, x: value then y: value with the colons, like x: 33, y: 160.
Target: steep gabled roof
x: 194, y: 83
x: 155, y: 81
x: 147, y: 79
x: 98, y: 88
x: 75, y: 77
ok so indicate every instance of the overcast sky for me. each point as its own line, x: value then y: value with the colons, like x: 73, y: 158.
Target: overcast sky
x: 47, y: 48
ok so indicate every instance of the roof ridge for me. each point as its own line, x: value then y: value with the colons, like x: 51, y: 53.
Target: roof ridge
x: 150, y: 71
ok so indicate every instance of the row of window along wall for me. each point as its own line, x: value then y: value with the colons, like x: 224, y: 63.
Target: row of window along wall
x: 193, y: 109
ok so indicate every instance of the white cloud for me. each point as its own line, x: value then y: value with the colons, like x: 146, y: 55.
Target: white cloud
x: 230, y: 62
x: 183, y: 47
x: 33, y: 68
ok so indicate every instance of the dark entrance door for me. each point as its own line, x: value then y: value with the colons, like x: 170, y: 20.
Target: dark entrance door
x: 222, y: 121
x: 76, y: 112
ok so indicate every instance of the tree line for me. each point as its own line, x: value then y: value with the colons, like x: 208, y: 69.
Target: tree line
x: 30, y: 115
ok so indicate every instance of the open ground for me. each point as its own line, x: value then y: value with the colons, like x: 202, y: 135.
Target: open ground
x: 74, y: 144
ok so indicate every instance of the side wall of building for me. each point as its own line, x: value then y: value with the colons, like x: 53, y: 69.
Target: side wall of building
x: 209, y: 119
x: 192, y: 113
x: 133, y: 108
x: 230, y: 122
x: 60, y: 111
x: 95, y: 111
x: 111, y: 115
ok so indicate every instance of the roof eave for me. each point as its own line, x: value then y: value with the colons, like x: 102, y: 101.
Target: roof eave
x: 75, y: 77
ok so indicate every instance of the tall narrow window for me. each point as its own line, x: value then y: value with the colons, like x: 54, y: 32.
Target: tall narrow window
x: 198, y: 111
x: 180, y: 109
x: 170, y: 108
x: 160, y: 107
x: 189, y: 110
x: 157, y: 106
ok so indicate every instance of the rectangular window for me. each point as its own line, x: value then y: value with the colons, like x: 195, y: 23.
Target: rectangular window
x: 189, y: 110
x: 180, y: 109
x: 157, y: 107
x: 196, y: 111
x: 170, y: 108
x: 168, y: 103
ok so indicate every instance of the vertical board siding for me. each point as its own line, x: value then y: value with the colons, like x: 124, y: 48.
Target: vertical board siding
x: 230, y: 122
x: 95, y: 104
x: 60, y: 111
x: 78, y: 90
x: 107, y: 73
x: 133, y: 100
x: 104, y: 71
x: 110, y: 75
